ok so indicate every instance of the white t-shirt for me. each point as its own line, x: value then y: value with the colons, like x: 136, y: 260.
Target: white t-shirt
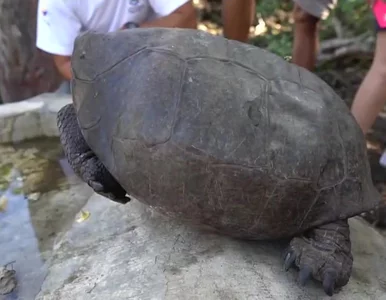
x: 60, y: 21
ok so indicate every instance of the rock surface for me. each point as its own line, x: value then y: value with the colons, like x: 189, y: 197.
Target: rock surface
x: 28, y: 229
x: 130, y: 252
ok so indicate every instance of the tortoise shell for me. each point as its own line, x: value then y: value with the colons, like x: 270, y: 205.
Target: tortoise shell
x: 219, y: 133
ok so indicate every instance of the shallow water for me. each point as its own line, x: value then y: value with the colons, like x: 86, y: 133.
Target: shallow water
x: 39, y: 199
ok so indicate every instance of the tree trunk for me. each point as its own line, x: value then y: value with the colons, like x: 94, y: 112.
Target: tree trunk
x: 25, y: 71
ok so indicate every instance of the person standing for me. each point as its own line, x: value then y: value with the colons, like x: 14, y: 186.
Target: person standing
x: 371, y: 95
x: 59, y: 22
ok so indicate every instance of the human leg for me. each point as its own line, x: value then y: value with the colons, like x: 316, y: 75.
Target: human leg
x: 307, y: 15
x: 370, y: 99
x: 371, y: 95
x: 237, y: 18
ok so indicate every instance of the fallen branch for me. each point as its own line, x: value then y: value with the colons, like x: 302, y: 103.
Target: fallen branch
x: 337, y: 27
x: 333, y: 49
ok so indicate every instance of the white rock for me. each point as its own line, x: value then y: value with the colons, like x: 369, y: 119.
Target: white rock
x: 128, y: 252
x: 32, y: 118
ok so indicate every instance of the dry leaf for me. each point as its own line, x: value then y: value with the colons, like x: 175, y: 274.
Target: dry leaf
x: 84, y: 215
x: 3, y: 203
x: 34, y: 196
x: 7, y: 281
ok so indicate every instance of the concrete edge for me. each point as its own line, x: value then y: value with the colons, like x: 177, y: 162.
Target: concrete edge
x: 31, y: 118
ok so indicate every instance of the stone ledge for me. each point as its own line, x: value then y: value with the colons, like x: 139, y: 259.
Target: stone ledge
x: 31, y: 118
x: 130, y: 252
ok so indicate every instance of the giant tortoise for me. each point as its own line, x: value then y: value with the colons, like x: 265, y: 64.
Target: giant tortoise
x: 222, y: 134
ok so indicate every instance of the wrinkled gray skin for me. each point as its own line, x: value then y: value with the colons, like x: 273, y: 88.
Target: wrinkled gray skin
x: 222, y: 134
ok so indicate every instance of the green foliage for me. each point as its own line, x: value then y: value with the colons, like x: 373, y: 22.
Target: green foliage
x: 279, y: 43
x: 278, y: 38
x: 354, y: 16
x: 269, y: 7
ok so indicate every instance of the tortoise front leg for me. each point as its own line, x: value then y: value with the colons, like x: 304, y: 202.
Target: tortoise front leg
x: 83, y: 160
x: 323, y: 253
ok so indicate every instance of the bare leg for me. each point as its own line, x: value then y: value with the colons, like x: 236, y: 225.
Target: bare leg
x: 371, y: 95
x: 323, y: 253
x: 237, y: 18
x: 306, y: 39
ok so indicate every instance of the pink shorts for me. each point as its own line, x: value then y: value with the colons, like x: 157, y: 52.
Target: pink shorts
x: 379, y: 12
x: 318, y: 8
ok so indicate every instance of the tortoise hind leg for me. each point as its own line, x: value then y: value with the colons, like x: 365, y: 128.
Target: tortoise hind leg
x: 83, y: 160
x: 323, y: 253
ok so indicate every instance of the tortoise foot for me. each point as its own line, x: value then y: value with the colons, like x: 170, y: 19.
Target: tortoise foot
x: 94, y: 173
x: 323, y: 253
x: 83, y: 160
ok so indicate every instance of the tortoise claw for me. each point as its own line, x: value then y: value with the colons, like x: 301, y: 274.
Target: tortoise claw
x: 305, y: 274
x: 96, y: 186
x: 329, y: 280
x: 289, y: 260
x: 100, y: 189
x: 324, y: 254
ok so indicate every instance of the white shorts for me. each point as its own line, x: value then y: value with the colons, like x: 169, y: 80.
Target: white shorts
x: 317, y: 8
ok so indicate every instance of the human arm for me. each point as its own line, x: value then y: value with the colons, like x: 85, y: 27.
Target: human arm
x: 57, y: 28
x: 63, y: 64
